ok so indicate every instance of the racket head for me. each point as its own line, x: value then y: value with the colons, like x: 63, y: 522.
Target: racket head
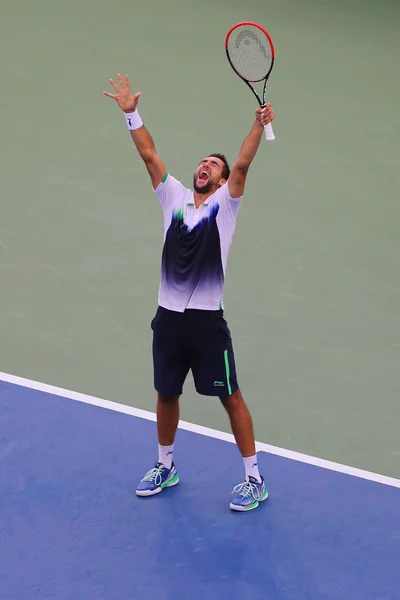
x: 250, y: 51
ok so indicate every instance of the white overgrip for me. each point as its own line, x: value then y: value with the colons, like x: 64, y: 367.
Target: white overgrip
x: 269, y: 132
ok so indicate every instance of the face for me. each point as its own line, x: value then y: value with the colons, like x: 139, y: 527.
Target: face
x: 208, y: 175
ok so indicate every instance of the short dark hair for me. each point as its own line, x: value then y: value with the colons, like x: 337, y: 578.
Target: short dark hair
x: 226, y: 170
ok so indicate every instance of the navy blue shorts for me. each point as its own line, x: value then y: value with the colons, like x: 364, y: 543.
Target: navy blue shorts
x: 196, y: 340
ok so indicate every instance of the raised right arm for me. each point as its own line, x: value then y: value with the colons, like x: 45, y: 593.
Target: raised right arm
x: 140, y: 136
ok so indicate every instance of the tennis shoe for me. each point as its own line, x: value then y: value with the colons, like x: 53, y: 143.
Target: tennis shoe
x: 249, y: 494
x: 157, y: 479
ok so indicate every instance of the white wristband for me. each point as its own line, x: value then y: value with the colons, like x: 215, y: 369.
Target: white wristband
x: 133, y: 120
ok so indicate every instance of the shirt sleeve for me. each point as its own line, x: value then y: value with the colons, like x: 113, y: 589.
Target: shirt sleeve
x: 168, y: 190
x: 228, y: 206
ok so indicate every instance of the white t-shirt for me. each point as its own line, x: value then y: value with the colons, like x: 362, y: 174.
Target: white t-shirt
x: 196, y: 246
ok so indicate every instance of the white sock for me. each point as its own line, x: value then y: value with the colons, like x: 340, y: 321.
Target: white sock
x: 165, y: 455
x: 251, y: 467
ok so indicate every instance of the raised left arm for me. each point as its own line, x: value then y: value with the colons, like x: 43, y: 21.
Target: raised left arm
x: 237, y: 178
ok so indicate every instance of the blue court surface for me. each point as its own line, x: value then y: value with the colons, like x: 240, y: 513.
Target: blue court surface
x: 72, y: 528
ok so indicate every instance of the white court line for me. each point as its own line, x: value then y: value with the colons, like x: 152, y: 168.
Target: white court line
x: 213, y: 433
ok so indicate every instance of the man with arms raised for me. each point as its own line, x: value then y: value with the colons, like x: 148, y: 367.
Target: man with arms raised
x: 189, y: 329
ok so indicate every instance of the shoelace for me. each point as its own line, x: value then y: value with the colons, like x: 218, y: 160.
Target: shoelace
x: 154, y: 475
x: 247, y: 488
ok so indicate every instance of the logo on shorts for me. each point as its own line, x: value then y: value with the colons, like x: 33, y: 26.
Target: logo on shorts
x: 219, y: 384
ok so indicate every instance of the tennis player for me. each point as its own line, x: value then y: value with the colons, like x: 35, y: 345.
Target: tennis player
x: 189, y: 329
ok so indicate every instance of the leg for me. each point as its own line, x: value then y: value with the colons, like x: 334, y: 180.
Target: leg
x: 241, y: 423
x: 164, y: 473
x: 170, y: 370
x: 253, y: 490
x: 167, y: 418
x: 214, y: 371
x: 214, y: 374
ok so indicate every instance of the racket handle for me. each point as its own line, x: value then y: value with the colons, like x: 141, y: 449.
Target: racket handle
x: 269, y: 132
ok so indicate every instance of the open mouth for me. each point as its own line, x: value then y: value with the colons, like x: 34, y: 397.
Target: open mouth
x: 203, y: 175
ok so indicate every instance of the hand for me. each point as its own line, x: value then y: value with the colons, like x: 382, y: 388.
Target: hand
x: 124, y: 98
x: 265, y: 115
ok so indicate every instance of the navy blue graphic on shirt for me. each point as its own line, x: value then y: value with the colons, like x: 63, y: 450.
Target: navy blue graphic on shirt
x: 191, y: 258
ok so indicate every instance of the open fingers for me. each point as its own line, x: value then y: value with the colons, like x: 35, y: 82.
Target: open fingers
x: 113, y: 84
x: 127, y: 84
x: 121, y: 81
x: 114, y: 96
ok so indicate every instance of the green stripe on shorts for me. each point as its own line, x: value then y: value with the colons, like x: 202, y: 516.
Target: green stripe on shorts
x: 228, y: 372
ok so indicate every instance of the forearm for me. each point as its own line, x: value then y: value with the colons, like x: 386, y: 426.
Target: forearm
x: 146, y: 148
x: 250, y: 146
x: 144, y: 143
x: 139, y: 134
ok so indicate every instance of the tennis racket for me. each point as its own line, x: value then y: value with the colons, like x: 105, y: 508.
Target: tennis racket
x: 250, y: 53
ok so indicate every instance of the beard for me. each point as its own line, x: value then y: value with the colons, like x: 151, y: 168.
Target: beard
x: 204, y: 189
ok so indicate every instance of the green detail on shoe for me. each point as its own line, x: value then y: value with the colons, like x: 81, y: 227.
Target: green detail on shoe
x: 251, y: 506
x: 169, y: 481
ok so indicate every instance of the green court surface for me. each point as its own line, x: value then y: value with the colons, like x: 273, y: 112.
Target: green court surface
x: 313, y: 283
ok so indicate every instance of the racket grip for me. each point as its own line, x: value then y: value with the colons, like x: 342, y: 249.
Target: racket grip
x: 269, y: 132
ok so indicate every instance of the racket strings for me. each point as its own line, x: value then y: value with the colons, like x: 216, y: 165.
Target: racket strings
x: 250, y: 53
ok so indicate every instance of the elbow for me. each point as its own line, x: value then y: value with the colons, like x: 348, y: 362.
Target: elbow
x: 242, y: 168
x: 149, y: 156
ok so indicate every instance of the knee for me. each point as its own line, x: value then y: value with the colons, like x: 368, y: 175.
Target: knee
x: 165, y: 399
x: 233, y: 401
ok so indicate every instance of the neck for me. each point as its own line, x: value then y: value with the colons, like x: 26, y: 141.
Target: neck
x: 200, y: 198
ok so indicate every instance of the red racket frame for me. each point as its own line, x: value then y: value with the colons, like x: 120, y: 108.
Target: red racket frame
x: 247, y: 81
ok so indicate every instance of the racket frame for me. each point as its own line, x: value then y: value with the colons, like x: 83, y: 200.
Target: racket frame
x: 269, y: 133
